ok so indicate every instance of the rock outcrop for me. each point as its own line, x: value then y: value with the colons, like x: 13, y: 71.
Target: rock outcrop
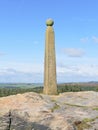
x: 66, y: 111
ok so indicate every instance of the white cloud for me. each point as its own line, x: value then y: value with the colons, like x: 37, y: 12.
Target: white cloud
x: 66, y: 72
x: 23, y: 67
x: 74, y: 52
x: 79, y: 72
x: 21, y: 72
x: 79, y: 69
x: 12, y: 75
x: 95, y: 39
x: 84, y: 40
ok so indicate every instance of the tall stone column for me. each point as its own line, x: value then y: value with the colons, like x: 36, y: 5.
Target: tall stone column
x: 50, y: 82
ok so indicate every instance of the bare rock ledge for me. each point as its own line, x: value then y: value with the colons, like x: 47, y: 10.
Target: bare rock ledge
x: 66, y: 111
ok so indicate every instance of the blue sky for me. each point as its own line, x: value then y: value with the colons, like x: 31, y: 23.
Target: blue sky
x: 22, y: 39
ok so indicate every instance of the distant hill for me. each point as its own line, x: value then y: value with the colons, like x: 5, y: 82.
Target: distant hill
x: 20, y: 85
x: 90, y: 83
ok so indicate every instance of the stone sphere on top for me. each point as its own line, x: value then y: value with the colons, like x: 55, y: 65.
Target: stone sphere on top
x: 49, y: 22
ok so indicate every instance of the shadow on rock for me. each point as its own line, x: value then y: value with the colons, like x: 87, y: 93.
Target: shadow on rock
x: 14, y: 122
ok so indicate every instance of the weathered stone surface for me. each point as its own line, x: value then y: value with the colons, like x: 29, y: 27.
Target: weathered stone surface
x: 50, y: 83
x: 4, y: 122
x: 49, y: 22
x: 66, y: 111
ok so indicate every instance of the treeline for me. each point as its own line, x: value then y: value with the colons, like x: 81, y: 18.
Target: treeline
x: 6, y: 91
x: 76, y: 88
x: 12, y: 91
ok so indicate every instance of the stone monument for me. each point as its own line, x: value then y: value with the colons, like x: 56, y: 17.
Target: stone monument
x: 50, y: 82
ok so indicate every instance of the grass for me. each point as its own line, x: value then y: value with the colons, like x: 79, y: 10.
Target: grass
x: 88, y: 120
x: 53, y: 100
x: 96, y: 108
x: 56, y: 106
x: 84, y: 123
x: 75, y: 105
x: 83, y: 126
